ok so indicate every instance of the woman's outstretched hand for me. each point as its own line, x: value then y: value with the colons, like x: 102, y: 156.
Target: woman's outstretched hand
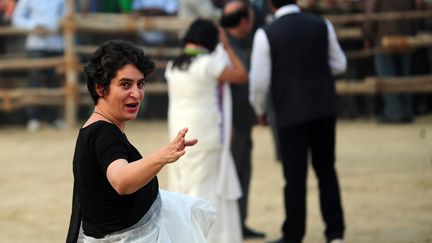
x: 176, y: 148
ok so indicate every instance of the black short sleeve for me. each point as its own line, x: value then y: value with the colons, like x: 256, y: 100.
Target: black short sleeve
x: 110, y: 145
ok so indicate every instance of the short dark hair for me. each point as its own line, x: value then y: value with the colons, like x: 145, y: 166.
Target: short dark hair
x: 233, y: 19
x: 281, y: 3
x: 110, y: 57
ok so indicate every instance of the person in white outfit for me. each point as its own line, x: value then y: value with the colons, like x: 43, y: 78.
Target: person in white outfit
x: 42, y: 18
x: 199, y: 95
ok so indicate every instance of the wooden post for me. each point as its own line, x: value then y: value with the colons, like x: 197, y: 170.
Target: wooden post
x: 70, y: 60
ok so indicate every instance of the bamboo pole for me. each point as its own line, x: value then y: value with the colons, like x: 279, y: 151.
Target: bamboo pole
x: 71, y: 64
x: 20, y: 97
x: 157, y: 51
x: 115, y: 23
x: 14, y: 31
x: 34, y: 63
x: 405, y: 43
x: 405, y: 15
x: 379, y: 85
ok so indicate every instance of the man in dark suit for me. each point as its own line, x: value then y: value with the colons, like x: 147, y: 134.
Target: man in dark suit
x: 237, y: 21
x: 296, y: 57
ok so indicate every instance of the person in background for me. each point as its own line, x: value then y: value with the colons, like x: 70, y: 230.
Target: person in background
x: 104, y: 6
x: 297, y: 65
x: 199, y: 95
x: 6, y: 10
x: 116, y: 194
x: 155, y: 8
x: 397, y: 107
x: 237, y: 21
x: 349, y: 105
x: 219, y: 3
x: 42, y: 19
x: 198, y: 8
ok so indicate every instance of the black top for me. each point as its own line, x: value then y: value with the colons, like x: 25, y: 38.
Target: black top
x: 103, y: 210
x: 302, y: 85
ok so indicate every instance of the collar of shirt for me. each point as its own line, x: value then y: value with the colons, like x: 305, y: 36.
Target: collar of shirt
x: 287, y: 9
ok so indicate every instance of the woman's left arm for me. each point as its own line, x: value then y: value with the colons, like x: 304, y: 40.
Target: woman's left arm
x: 127, y: 178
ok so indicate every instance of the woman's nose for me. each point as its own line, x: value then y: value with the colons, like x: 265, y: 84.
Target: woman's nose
x: 135, y: 91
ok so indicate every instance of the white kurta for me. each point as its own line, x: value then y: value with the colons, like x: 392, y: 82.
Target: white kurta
x: 207, y: 170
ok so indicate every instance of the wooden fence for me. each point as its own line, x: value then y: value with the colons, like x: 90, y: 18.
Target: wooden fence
x: 72, y: 94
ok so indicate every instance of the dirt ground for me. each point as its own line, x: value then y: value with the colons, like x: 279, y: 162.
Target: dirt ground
x: 385, y: 173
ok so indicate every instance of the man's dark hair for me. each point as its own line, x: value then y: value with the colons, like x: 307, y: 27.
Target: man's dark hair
x: 233, y: 19
x: 281, y: 3
x: 110, y: 57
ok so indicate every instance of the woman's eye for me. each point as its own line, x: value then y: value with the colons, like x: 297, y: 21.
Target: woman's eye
x: 141, y: 84
x: 125, y: 84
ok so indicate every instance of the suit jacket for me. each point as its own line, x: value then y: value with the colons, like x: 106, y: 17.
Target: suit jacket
x: 302, y: 85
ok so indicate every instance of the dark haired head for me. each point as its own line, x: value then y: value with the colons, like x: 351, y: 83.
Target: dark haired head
x: 110, y: 57
x: 233, y: 19
x: 280, y: 3
x: 202, y: 32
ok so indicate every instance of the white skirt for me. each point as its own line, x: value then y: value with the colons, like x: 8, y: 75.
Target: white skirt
x: 173, y: 218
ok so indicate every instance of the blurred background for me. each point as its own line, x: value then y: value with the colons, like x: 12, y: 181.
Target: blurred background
x: 385, y: 167
x: 48, y: 80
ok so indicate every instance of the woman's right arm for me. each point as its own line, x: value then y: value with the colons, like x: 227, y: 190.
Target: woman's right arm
x: 127, y: 178
x: 236, y: 72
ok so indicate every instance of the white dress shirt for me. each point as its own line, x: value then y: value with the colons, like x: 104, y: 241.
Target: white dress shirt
x: 30, y: 14
x: 260, y: 71
x: 169, y: 6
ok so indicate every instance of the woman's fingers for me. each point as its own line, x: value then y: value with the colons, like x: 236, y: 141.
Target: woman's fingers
x: 182, y: 133
x: 181, y: 138
x: 178, y: 145
x: 191, y: 142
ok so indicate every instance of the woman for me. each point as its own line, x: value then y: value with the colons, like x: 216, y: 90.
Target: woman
x: 115, y: 188
x: 200, y: 97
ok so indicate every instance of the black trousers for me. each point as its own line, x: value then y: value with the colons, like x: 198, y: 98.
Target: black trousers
x: 316, y: 138
x: 241, y: 148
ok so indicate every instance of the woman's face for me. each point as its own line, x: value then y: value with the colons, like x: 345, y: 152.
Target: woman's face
x: 125, y: 93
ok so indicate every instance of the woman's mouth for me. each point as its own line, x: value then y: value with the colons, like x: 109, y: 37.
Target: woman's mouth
x: 132, y: 107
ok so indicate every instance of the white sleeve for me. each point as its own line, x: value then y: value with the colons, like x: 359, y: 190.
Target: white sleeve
x: 218, y: 61
x: 336, y: 56
x: 171, y: 6
x: 20, y: 16
x: 260, y: 72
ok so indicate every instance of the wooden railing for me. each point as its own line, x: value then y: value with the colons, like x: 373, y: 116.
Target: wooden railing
x: 72, y: 94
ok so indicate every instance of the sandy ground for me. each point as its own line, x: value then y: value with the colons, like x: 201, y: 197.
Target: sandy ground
x: 385, y: 174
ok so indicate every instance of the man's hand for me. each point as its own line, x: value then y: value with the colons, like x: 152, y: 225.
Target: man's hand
x: 262, y: 120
